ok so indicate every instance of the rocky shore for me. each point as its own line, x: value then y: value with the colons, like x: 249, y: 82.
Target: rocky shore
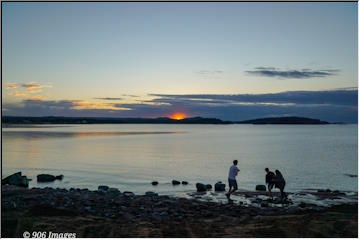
x: 108, y: 212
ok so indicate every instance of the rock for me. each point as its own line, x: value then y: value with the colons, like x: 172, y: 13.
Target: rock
x: 175, y: 182
x: 302, y: 204
x: 264, y: 204
x: 184, y: 183
x: 114, y: 191
x: 48, y: 177
x: 260, y: 188
x: 154, y: 183
x: 164, y: 214
x: 328, y: 190
x: 208, y: 186
x: 129, y: 194
x: 200, y: 187
x: 16, y: 179
x: 151, y: 194
x: 103, y: 188
x: 350, y: 175
x: 219, y: 187
x: 59, y: 177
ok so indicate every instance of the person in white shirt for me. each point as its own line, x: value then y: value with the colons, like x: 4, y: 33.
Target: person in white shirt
x: 232, y: 178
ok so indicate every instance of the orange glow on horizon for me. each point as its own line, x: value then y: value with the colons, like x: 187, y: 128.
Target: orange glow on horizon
x: 178, y: 116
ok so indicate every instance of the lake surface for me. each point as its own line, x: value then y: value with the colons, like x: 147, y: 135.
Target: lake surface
x: 130, y: 156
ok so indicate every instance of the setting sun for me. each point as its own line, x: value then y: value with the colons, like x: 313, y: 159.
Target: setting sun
x: 178, y: 116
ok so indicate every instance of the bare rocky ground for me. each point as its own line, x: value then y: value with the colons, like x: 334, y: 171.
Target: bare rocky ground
x: 110, y: 213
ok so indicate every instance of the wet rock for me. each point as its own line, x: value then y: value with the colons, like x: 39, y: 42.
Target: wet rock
x: 129, y: 194
x: 103, y: 188
x: 208, y: 186
x: 164, y: 214
x: 48, y: 177
x: 184, y: 183
x: 351, y: 175
x: 151, y: 194
x: 200, y: 187
x: 302, y: 205
x: 16, y: 179
x: 264, y: 204
x: 59, y: 177
x: 219, y: 186
x: 175, y: 182
x: 154, y: 183
x: 260, y: 188
x: 113, y: 191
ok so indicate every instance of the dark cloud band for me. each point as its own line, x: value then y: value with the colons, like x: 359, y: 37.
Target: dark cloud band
x: 303, y: 73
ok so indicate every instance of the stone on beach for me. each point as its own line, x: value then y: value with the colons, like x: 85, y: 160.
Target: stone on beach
x: 201, y: 187
x: 151, y: 194
x: 154, y: 183
x: 113, y: 191
x: 219, y: 187
x: 184, y: 183
x: 16, y: 179
x: 175, y: 182
x: 129, y: 194
x: 208, y: 186
x: 260, y: 188
x: 48, y: 177
x: 103, y: 188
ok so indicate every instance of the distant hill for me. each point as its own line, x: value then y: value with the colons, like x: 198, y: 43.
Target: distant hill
x: 284, y: 120
x: 162, y: 120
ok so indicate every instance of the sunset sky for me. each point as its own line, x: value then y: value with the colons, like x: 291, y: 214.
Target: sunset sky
x: 233, y: 61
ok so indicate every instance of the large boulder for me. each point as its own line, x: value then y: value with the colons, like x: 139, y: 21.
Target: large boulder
x: 48, y: 177
x: 201, y: 187
x: 16, y: 179
x: 260, y: 188
x: 154, y: 183
x: 219, y: 187
x: 184, y: 183
x: 208, y: 186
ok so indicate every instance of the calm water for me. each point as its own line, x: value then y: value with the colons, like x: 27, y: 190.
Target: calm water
x: 129, y: 157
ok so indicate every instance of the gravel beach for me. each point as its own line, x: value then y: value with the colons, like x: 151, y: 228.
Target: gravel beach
x: 111, y: 213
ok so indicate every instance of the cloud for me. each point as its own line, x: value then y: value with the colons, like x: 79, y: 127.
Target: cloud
x: 109, y: 98
x: 210, y: 72
x: 298, y: 74
x: 132, y: 96
x: 81, y: 104
x: 341, y: 97
x: 339, y: 105
x: 34, y: 87
x: 11, y: 85
x: 206, y: 74
x: 25, y: 90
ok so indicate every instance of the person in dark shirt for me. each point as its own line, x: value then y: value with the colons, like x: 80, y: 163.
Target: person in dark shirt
x: 280, y: 183
x: 269, y: 180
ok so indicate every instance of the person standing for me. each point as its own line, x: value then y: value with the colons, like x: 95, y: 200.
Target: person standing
x: 233, y: 172
x: 269, y: 180
x: 280, y: 183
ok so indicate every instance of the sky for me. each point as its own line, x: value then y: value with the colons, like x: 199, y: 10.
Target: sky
x: 233, y: 61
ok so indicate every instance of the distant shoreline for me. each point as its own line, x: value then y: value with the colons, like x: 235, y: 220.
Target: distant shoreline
x: 13, y: 120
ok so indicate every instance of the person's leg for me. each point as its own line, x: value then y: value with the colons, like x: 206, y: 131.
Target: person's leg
x: 283, y: 194
x: 235, y: 187
x: 228, y: 193
x: 269, y: 189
